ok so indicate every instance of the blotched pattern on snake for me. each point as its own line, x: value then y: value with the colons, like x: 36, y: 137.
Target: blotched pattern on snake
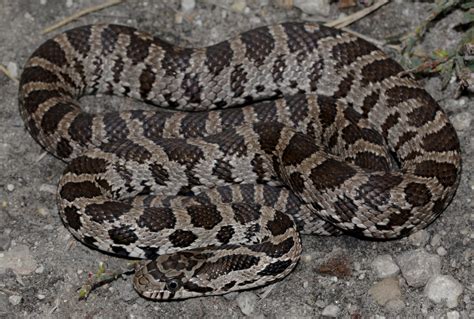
x: 284, y: 129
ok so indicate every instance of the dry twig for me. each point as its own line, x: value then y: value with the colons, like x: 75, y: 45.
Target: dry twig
x: 8, y: 74
x: 81, y: 13
x: 345, y: 21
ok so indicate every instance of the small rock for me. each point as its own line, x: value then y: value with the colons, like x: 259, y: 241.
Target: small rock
x: 41, y: 296
x: 312, y: 7
x: 239, y: 5
x: 331, y: 311
x: 453, y: 315
x: 40, y: 269
x: 19, y: 259
x: 188, y: 5
x: 10, y: 187
x: 48, y: 188
x: 69, y: 3
x: 12, y: 69
x: 444, y: 288
x: 418, y: 266
x: 247, y: 301
x: 441, y: 251
x: 231, y: 295
x: 43, y: 212
x: 386, y: 290
x: 43, y: 2
x: 384, y: 266
x: 462, y: 121
x: 15, y: 299
x: 435, y: 240
x: 420, y: 238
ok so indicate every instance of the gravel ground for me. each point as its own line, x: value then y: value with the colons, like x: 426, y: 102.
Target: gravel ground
x: 41, y: 266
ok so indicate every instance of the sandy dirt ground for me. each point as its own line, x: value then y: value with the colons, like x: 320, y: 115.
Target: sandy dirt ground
x: 42, y: 266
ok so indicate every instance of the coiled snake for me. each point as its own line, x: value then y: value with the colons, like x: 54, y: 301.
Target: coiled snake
x: 292, y: 128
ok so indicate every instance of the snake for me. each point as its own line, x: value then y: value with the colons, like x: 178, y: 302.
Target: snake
x: 287, y: 129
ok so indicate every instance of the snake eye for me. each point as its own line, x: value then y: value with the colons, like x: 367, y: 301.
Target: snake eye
x: 173, y: 285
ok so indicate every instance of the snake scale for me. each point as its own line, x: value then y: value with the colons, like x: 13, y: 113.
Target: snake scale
x: 285, y: 129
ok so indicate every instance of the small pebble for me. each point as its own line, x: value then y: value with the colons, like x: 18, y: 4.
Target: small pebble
x: 231, y: 295
x: 40, y: 269
x: 69, y: 3
x: 43, y: 2
x: 384, y: 266
x: 331, y: 311
x: 417, y: 266
x: 462, y: 121
x: 453, y: 315
x: 48, y: 188
x: 41, y: 296
x: 420, y: 238
x: 247, y: 301
x: 435, y: 240
x: 43, y: 212
x: 444, y: 288
x: 187, y: 5
x: 10, y: 187
x: 385, y: 290
x: 239, y: 5
x: 441, y: 251
x: 12, y: 67
x: 15, y: 299
x: 313, y: 7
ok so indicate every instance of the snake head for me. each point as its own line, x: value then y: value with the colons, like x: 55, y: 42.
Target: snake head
x: 170, y: 276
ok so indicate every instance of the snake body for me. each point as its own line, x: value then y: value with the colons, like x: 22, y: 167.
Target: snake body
x: 291, y: 128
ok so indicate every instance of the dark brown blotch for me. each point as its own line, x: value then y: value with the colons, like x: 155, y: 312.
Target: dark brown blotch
x: 417, y: 194
x: 245, y: 213
x: 155, y: 219
x: 108, y: 211
x: 72, y: 218
x: 443, y: 140
x: 53, y: 116
x: 280, y: 223
x: 275, y: 268
x: 203, y: 216
x: 123, y: 235
x: 182, y: 238
x: 379, y: 70
x: 224, y: 235
x: 299, y: 148
x: 331, y: 173
x: 73, y: 190
x: 446, y: 173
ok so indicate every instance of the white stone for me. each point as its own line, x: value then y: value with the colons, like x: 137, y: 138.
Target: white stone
x: 40, y: 269
x: 453, y: 315
x: 247, y: 301
x: 331, y: 311
x: 420, y: 238
x: 462, y: 121
x: 312, y: 7
x: 239, y: 5
x: 10, y: 187
x: 188, y: 5
x: 15, y: 299
x: 444, y: 288
x: 69, y: 3
x: 41, y: 296
x: 384, y: 266
x: 12, y: 68
x: 441, y: 251
x: 19, y: 259
x: 417, y: 266
x: 385, y: 290
x: 435, y: 240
